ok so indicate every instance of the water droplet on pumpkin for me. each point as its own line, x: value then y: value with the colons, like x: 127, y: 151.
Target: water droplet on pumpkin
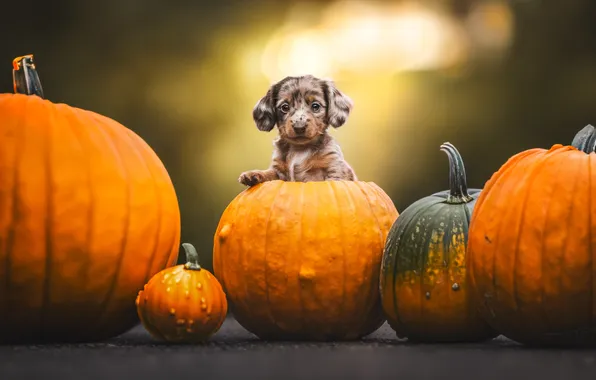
x: 199, y: 285
x: 180, y: 322
x: 203, y: 307
x: 203, y: 300
x: 168, y: 289
x: 190, y: 322
x: 187, y: 293
x: 177, y: 280
x: 427, y: 295
x: 455, y: 286
x: 137, y: 301
x: 172, y: 311
x: 166, y: 275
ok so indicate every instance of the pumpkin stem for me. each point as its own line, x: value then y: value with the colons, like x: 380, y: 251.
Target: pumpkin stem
x: 24, y: 76
x: 585, y: 140
x: 458, y: 187
x: 192, y: 257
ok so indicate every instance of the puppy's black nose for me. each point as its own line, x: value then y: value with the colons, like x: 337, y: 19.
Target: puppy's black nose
x: 299, y: 129
x: 300, y: 126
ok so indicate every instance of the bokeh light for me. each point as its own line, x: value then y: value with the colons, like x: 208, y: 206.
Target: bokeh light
x: 490, y: 76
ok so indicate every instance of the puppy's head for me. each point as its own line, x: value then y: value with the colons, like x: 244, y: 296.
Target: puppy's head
x: 302, y: 108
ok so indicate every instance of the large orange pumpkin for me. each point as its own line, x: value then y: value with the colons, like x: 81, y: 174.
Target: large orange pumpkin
x: 87, y: 215
x: 301, y: 261
x: 532, y: 245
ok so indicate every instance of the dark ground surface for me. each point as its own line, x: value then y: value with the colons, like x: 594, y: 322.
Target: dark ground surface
x: 233, y: 353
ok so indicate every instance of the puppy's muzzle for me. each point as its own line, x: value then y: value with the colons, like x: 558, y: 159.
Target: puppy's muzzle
x: 299, y: 124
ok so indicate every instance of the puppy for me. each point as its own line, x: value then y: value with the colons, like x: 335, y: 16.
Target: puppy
x: 302, y: 108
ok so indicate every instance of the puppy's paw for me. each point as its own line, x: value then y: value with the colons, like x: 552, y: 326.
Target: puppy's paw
x: 251, y: 178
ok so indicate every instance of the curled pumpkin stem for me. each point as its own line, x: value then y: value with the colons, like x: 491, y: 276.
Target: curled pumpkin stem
x: 24, y: 76
x: 585, y: 140
x: 192, y: 257
x: 458, y: 187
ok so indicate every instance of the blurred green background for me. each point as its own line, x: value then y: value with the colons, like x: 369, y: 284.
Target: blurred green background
x: 492, y: 77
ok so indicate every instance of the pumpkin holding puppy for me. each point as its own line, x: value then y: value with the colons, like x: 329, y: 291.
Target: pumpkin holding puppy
x: 301, y: 260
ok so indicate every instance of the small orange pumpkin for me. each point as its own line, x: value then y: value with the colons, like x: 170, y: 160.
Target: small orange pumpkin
x: 184, y: 303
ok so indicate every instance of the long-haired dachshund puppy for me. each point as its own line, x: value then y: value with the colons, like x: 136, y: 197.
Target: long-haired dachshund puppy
x: 302, y: 108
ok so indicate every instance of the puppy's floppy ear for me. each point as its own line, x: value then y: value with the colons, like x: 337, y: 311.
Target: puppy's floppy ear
x: 264, y: 112
x: 339, y: 105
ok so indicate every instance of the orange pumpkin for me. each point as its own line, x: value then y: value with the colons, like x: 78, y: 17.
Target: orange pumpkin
x: 302, y: 260
x: 183, y: 304
x: 87, y: 215
x: 532, y: 245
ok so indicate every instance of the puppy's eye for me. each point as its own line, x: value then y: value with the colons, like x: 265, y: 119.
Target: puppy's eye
x: 315, y: 106
x: 285, y: 108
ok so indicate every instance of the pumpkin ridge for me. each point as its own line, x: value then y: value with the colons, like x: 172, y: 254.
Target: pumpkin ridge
x: 592, y: 261
x: 208, y: 295
x: 150, y: 153
x: 300, y: 247
x: 159, y: 203
x: 508, y: 166
x: 218, y: 257
x: 331, y: 185
x: 92, y: 194
x: 395, y: 259
x: 467, y: 219
x: 49, y: 210
x: 420, y: 207
x: 565, y: 245
x: 245, y: 303
x: 423, y: 254
x: 126, y: 170
x: 530, y: 178
x: 353, y: 205
x: 15, y: 207
x: 369, y: 305
x: 545, y: 314
x: 242, y: 253
x: 265, y: 238
x: 141, y: 152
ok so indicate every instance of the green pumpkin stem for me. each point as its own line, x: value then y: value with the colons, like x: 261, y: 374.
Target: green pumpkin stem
x: 192, y: 257
x: 585, y: 140
x: 24, y: 76
x: 458, y: 187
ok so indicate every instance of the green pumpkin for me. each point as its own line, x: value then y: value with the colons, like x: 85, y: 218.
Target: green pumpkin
x: 423, y: 272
